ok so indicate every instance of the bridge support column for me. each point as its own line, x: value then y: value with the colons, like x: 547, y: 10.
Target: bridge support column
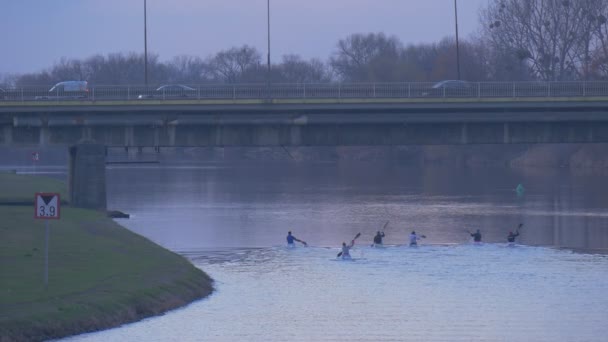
x: 506, y: 137
x: 129, y: 136
x: 87, y: 176
x: 463, y: 134
x: 295, y: 136
x: 171, y: 134
x: 44, y: 136
x: 156, y: 138
x: 218, y: 136
x: 8, y: 135
x: 86, y: 133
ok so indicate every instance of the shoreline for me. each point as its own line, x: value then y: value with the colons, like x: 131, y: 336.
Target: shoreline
x: 101, y: 275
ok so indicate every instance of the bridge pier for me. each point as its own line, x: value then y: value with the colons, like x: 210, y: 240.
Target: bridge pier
x: 129, y: 136
x: 295, y: 135
x: 44, y: 137
x: 464, y: 134
x: 171, y: 134
x: 87, y: 176
x: 8, y: 135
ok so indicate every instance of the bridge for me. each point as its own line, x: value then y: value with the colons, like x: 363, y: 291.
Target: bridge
x: 300, y: 115
x: 307, y: 115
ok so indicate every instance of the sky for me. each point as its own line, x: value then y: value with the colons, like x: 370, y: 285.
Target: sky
x: 38, y: 33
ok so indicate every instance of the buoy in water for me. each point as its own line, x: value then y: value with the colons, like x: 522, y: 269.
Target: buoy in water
x: 520, y: 190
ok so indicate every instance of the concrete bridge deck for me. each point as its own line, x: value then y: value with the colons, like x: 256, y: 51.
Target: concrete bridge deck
x: 311, y: 121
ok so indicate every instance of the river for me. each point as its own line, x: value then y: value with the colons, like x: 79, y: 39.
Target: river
x: 231, y: 221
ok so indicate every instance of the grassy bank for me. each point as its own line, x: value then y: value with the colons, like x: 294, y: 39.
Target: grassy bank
x: 16, y: 188
x: 100, y: 274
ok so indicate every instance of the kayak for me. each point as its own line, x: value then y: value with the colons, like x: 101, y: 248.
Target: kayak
x: 378, y: 245
x: 347, y: 259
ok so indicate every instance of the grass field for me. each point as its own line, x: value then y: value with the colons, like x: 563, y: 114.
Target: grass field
x: 100, y: 274
x: 16, y: 188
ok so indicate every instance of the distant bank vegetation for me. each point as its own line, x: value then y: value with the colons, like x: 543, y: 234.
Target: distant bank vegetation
x: 517, y: 40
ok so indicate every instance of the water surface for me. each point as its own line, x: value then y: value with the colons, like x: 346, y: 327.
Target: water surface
x: 231, y: 221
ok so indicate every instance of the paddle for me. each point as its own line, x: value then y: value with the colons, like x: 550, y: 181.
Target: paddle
x: 355, y: 238
x: 301, y: 241
x: 385, y: 225
x: 516, y: 232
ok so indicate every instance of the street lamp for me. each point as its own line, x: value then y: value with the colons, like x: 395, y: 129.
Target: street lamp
x: 268, y: 31
x: 145, y: 45
x: 457, y: 44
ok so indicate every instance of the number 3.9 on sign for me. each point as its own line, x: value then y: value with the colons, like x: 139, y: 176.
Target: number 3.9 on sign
x: 47, y: 206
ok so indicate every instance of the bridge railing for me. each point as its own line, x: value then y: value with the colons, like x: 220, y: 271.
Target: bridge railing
x: 311, y: 91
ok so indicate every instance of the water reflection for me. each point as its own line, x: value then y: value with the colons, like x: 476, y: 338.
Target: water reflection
x: 228, y: 206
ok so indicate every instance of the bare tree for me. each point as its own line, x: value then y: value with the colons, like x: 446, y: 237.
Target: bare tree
x: 293, y: 69
x: 235, y: 64
x: 545, y: 34
x: 595, y: 45
x: 368, y: 57
x: 188, y: 69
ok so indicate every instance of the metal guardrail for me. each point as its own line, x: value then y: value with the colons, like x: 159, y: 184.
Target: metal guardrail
x: 314, y: 91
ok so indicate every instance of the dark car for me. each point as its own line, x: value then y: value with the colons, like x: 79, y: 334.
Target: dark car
x: 450, y: 88
x: 169, y: 91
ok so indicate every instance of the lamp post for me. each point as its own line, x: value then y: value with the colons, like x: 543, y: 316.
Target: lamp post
x: 268, y: 32
x: 457, y: 43
x: 145, y: 45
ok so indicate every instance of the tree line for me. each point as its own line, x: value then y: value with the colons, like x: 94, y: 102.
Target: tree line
x: 518, y: 40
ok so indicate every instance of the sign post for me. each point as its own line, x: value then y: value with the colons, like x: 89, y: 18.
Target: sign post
x: 46, y: 207
x: 35, y: 159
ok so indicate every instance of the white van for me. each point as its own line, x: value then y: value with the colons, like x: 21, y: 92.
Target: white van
x: 67, y: 90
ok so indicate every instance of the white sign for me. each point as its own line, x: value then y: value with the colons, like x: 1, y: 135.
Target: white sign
x: 35, y: 156
x: 47, y: 206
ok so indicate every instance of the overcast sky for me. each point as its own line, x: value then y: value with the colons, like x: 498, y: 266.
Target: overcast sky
x: 37, y: 33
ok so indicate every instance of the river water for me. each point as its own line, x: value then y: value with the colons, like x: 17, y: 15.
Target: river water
x: 231, y: 221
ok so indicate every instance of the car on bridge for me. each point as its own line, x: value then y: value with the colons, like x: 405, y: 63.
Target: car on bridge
x: 450, y: 88
x: 169, y: 91
x: 67, y: 90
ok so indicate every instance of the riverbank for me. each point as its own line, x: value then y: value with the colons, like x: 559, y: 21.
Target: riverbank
x: 101, y: 275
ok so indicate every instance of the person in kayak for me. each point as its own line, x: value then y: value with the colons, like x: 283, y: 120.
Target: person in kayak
x: 378, y: 238
x: 291, y: 239
x: 414, y: 238
x: 476, y: 236
x: 512, y: 236
x: 345, y: 254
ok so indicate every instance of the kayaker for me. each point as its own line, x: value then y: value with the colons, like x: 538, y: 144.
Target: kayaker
x: 476, y: 236
x: 414, y: 238
x: 378, y: 238
x: 291, y: 239
x: 345, y: 254
x: 512, y: 236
